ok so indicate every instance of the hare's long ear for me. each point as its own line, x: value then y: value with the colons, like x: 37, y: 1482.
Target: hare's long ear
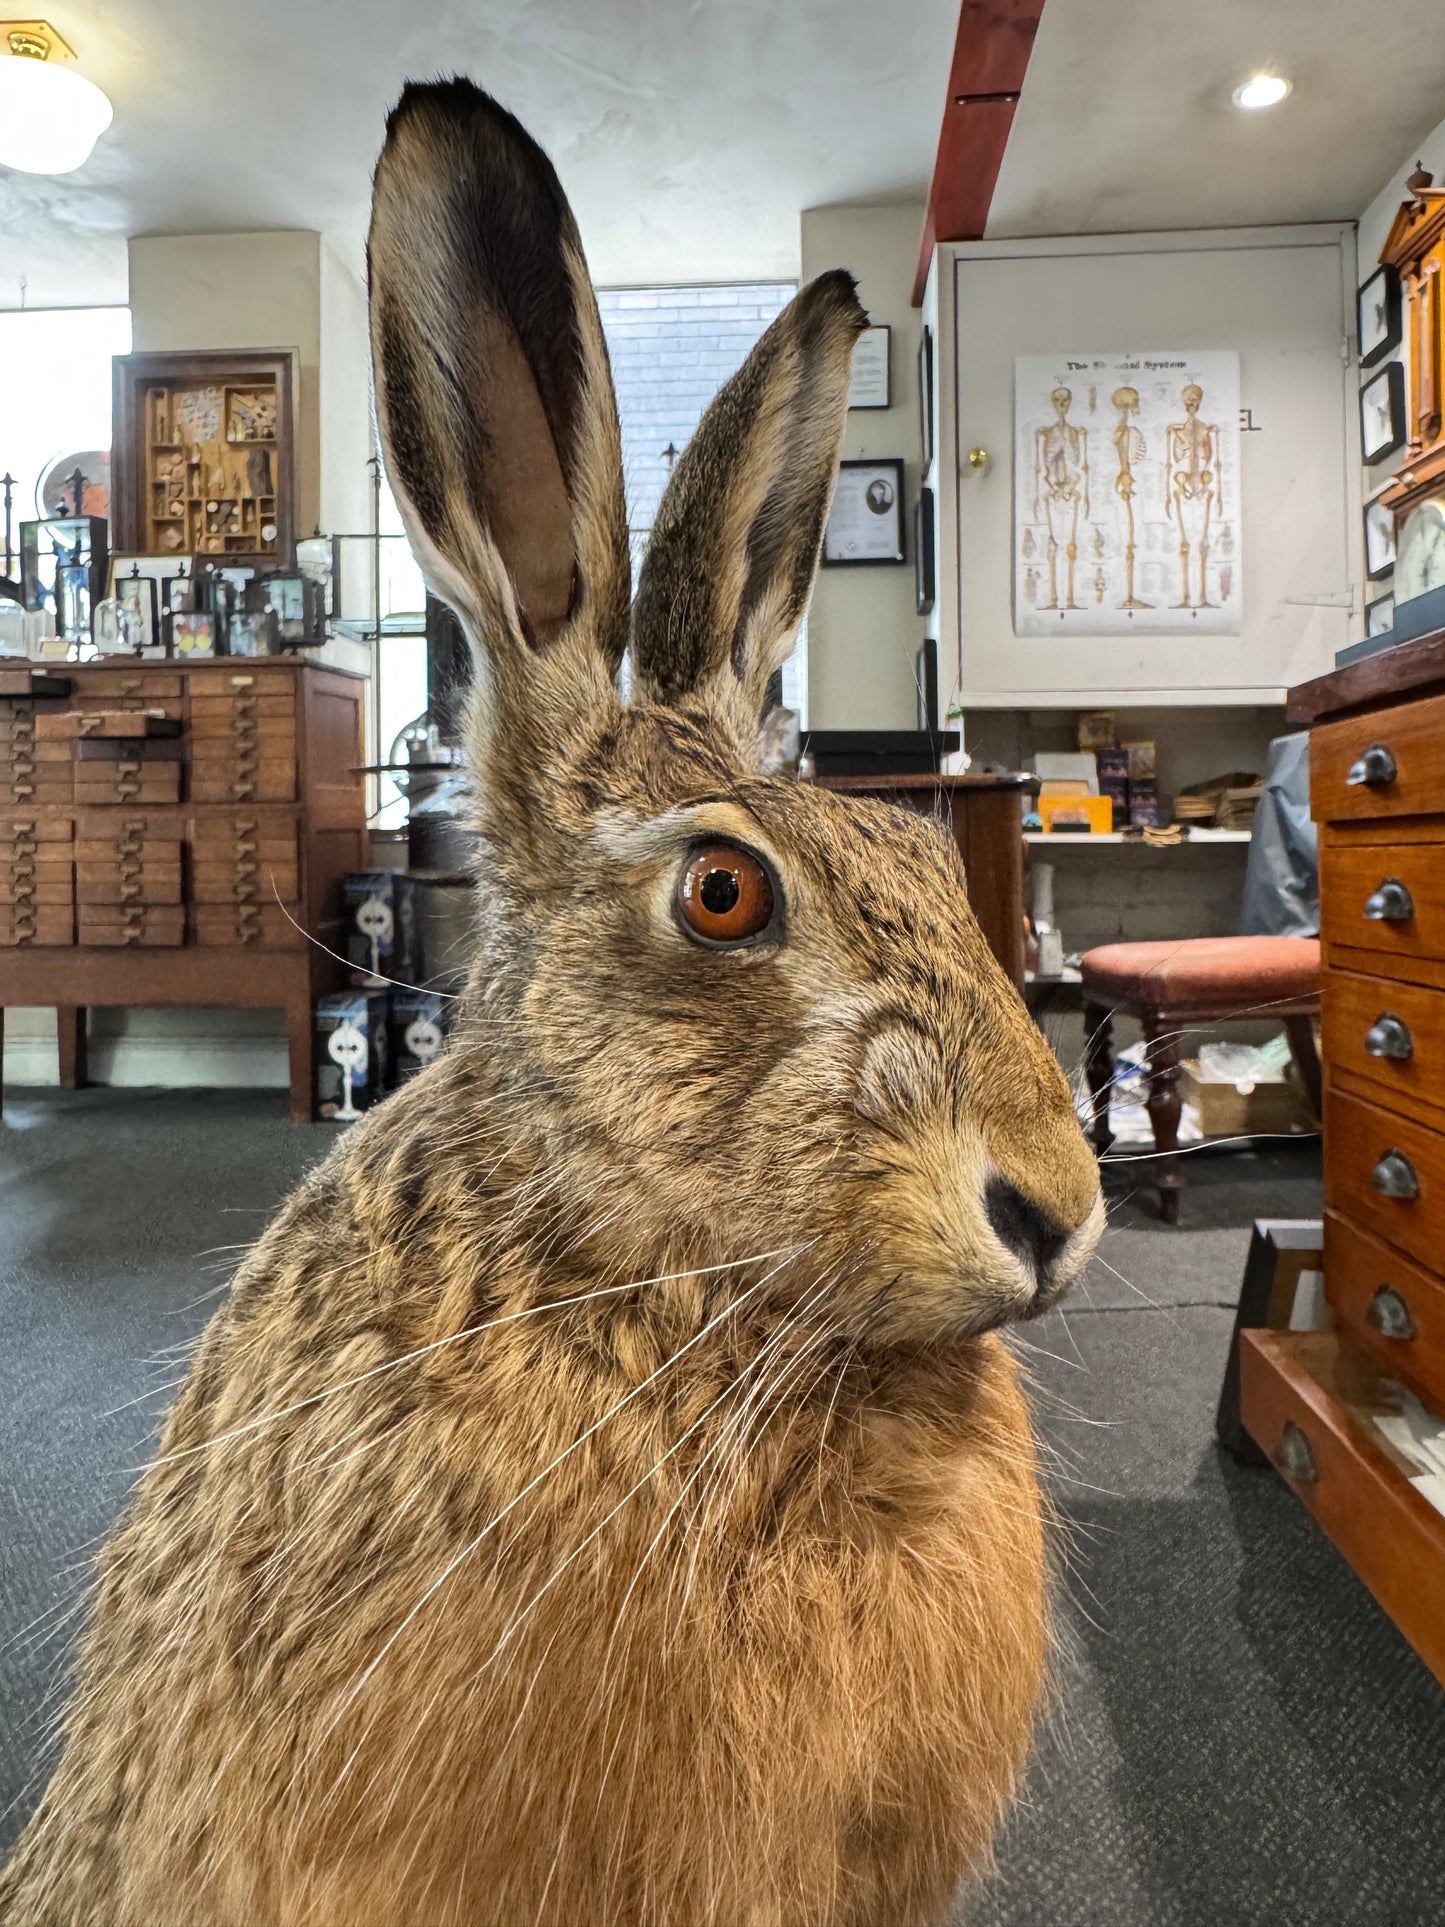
x: 495, y: 401
x: 730, y: 565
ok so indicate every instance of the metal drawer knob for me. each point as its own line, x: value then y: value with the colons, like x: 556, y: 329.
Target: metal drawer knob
x: 1294, y: 1455
x: 1390, y: 1315
x: 1376, y: 767
x: 1391, y: 903
x: 1389, y: 1036
x: 1394, y: 1176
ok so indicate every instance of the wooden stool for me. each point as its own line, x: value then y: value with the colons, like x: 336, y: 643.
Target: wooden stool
x: 1174, y: 987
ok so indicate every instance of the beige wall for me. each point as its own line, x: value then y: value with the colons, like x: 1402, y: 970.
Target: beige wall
x: 345, y: 399
x: 240, y: 291
x: 863, y: 633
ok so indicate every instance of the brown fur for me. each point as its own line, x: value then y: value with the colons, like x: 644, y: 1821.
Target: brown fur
x: 604, y: 1497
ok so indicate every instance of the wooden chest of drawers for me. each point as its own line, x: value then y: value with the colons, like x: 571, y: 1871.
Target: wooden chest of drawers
x: 1377, y: 757
x: 193, y: 865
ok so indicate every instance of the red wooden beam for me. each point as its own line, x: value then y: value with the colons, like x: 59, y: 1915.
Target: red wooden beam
x: 990, y: 59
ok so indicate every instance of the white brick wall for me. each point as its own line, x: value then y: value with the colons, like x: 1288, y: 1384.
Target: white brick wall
x: 672, y: 349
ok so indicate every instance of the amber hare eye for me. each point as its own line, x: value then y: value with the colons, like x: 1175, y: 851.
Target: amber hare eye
x: 724, y: 895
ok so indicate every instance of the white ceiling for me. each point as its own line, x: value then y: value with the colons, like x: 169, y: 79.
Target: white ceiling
x: 1126, y: 124
x: 688, y: 133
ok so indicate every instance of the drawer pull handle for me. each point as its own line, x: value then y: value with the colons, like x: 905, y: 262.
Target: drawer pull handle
x: 1375, y: 768
x: 1394, y: 1176
x: 1391, y: 903
x: 1390, y: 1315
x: 1389, y: 1036
x: 1294, y: 1455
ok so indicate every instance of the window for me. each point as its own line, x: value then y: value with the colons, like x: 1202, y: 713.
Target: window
x: 54, y: 390
x: 672, y: 349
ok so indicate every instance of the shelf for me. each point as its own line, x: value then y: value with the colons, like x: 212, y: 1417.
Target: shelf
x: 1195, y: 837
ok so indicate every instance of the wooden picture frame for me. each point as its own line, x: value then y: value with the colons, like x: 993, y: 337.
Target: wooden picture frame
x: 1378, y: 314
x: 925, y: 396
x: 924, y: 584
x: 865, y: 522
x: 1379, y: 524
x: 1279, y: 1292
x: 868, y: 385
x: 224, y: 486
x: 1382, y: 413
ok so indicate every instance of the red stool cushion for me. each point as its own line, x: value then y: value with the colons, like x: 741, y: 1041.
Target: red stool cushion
x: 1202, y: 970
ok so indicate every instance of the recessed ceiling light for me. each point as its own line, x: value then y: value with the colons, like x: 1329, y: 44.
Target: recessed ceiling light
x: 1261, y: 90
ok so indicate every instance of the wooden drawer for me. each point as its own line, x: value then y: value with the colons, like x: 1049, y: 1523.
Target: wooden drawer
x: 22, y: 925
x: 26, y: 831
x: 51, y: 888
x: 141, y: 925
x: 225, y: 678
x: 1413, y: 735
x: 127, y: 782
x: 246, y: 880
x: 105, y: 826
x: 210, y: 715
x: 1366, y: 1016
x: 1351, y: 874
x: 1358, y: 1136
x: 118, y: 688
x: 24, y: 785
x: 218, y: 835
x: 144, y: 883
x: 1395, y: 1307
x: 269, y: 780
x: 264, y: 926
x: 1303, y: 1396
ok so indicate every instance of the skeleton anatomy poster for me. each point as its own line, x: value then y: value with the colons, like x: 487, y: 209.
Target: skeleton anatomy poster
x: 1126, y: 494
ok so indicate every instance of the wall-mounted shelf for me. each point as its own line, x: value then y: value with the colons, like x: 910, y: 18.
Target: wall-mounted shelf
x: 1195, y: 837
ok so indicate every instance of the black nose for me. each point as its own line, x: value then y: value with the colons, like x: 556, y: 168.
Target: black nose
x: 1027, y: 1231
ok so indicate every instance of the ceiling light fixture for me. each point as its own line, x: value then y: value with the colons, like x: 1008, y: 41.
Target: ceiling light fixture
x: 1261, y: 90
x: 50, y: 117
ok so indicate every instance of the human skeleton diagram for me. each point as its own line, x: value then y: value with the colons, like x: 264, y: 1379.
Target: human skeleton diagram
x: 1194, y: 489
x: 1130, y: 448
x: 1061, y: 491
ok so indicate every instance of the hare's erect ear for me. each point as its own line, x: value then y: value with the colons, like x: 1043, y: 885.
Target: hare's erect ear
x: 492, y: 386
x: 730, y: 565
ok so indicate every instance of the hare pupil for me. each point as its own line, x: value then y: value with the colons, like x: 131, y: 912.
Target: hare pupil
x: 719, y: 892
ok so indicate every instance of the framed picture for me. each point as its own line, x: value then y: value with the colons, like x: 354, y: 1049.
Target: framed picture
x: 139, y: 609
x: 1379, y: 540
x: 156, y: 568
x: 1380, y: 615
x: 925, y: 396
x: 192, y: 633
x: 1377, y: 311
x: 923, y: 582
x: 868, y: 387
x: 865, y: 523
x: 1382, y: 413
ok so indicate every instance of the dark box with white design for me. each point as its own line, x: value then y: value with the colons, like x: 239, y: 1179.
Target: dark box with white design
x: 351, y: 1052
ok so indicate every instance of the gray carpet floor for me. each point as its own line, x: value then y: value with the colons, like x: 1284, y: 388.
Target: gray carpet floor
x: 1239, y: 1734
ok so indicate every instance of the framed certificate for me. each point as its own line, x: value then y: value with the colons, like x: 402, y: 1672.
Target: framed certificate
x: 868, y: 386
x: 865, y: 523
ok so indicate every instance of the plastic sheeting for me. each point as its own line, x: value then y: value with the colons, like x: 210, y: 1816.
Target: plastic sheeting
x: 1282, y: 881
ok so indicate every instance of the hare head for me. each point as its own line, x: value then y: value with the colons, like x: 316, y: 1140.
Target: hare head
x: 731, y: 1012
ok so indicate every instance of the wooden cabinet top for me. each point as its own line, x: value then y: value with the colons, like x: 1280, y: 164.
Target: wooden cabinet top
x: 1408, y: 670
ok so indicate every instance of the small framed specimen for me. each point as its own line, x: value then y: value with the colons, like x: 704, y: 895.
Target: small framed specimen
x: 1377, y: 308
x: 1382, y: 413
x: 868, y: 387
x: 923, y: 581
x: 865, y: 523
x: 1380, y: 615
x: 193, y: 633
x: 925, y: 396
x: 140, y: 610
x: 1379, y: 540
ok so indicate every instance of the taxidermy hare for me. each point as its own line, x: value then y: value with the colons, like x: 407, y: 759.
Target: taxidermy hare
x: 605, y: 1498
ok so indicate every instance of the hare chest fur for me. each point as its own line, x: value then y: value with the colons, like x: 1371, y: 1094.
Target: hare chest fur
x: 605, y: 1496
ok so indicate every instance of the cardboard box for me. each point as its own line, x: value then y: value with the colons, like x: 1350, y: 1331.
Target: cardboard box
x: 1229, y: 1110
x: 351, y: 1054
x: 420, y: 1020
x: 1076, y: 815
x: 383, y: 928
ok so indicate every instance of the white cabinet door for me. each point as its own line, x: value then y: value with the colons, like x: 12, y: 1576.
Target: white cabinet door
x: 1282, y: 307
